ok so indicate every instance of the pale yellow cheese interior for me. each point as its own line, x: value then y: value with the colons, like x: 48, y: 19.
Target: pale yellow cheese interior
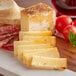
x: 40, y: 62
x: 34, y: 33
x: 17, y: 43
x: 31, y: 46
x: 49, y: 52
x: 41, y: 39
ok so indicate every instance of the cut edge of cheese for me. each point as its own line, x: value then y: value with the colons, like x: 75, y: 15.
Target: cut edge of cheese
x: 31, y: 40
x: 34, y: 37
x: 39, y: 62
x: 50, y: 40
x: 30, y: 46
x: 50, y: 52
x: 34, y: 33
x: 17, y: 43
x: 41, y: 39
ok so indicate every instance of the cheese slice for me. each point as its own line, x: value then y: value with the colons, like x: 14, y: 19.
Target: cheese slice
x: 49, y: 52
x: 34, y: 33
x: 30, y: 46
x: 41, y: 39
x: 39, y: 17
x: 40, y: 62
x: 17, y: 43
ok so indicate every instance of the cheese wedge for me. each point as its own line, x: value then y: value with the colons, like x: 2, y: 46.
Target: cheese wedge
x: 39, y: 62
x: 39, y: 17
x: 31, y: 46
x: 41, y: 39
x: 34, y: 33
x: 50, y: 52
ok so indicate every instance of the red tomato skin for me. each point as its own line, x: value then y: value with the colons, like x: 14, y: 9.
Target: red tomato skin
x: 75, y: 23
x: 62, y: 22
x: 67, y: 30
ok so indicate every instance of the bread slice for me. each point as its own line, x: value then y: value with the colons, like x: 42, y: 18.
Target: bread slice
x: 40, y: 62
x: 39, y: 17
x: 31, y: 46
x: 9, y: 12
x: 41, y: 39
x: 34, y: 33
x: 49, y: 52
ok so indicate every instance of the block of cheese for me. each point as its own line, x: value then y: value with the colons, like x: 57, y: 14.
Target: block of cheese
x: 39, y: 62
x: 34, y: 33
x: 31, y: 46
x: 50, y: 52
x: 41, y: 39
x: 39, y: 17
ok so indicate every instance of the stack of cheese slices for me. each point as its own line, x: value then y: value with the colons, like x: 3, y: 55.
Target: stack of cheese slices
x: 37, y: 47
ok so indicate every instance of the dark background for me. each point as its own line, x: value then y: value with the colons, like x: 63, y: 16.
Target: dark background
x: 26, y: 3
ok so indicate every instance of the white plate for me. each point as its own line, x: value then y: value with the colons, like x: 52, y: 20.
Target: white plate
x: 11, y: 64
